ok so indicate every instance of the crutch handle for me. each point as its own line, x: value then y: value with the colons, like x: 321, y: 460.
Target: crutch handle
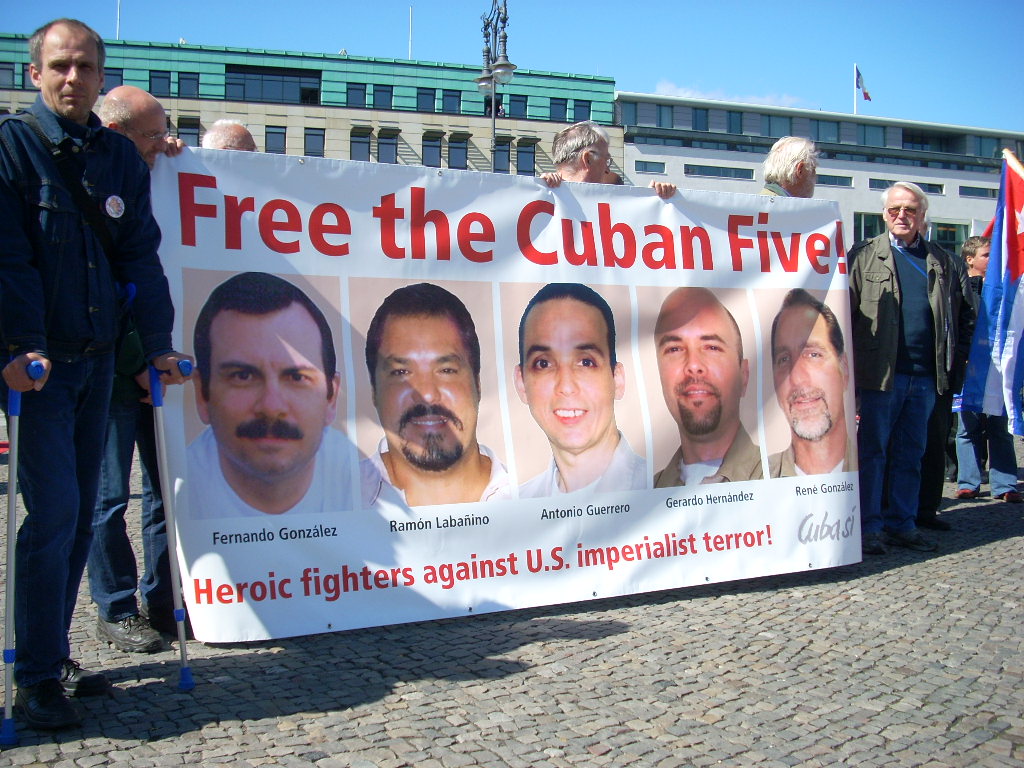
x: 35, y: 371
x: 156, y: 391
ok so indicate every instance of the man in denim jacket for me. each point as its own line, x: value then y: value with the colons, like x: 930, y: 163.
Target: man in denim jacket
x: 59, y: 306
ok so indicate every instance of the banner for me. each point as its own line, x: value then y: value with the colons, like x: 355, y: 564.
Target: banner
x: 429, y: 393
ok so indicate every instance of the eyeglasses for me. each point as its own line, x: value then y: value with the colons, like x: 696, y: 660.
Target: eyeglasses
x: 894, y: 211
x: 151, y: 135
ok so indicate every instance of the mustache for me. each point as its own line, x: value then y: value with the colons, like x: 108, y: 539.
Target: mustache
x: 680, y: 389
x: 256, y: 429
x: 809, y: 393
x: 423, y: 410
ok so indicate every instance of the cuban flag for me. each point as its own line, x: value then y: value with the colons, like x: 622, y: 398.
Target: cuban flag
x: 995, y: 371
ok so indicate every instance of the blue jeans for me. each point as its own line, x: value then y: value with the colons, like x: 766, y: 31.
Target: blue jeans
x: 61, y: 432
x: 976, y: 431
x: 113, y: 573
x: 893, y: 431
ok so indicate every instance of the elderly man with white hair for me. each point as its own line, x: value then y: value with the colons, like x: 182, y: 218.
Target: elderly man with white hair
x: 791, y: 168
x: 229, y: 134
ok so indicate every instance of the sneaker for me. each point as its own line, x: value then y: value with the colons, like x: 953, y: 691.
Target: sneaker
x: 131, y: 634
x: 911, y: 540
x: 872, y: 544
x: 1013, y: 497
x: 45, y: 706
x: 81, y: 682
x: 967, y: 493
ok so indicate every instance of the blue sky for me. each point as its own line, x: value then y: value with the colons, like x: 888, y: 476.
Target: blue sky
x: 944, y: 61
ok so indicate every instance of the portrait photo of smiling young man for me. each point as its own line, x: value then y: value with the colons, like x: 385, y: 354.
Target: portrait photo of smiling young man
x: 268, y: 392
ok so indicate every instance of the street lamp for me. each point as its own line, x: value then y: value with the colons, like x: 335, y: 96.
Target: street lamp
x: 497, y: 71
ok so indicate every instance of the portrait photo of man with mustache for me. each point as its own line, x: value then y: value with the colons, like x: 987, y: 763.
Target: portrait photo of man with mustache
x: 268, y: 391
x: 423, y: 361
x: 704, y: 375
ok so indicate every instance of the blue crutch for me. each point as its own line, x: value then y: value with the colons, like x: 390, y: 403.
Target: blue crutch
x: 8, y: 735
x: 185, y: 681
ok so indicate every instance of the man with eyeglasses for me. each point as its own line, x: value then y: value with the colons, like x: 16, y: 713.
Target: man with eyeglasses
x: 136, y: 114
x: 912, y: 319
x: 581, y: 154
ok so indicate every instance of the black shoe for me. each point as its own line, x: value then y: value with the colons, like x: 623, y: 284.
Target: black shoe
x: 162, y: 620
x: 131, y: 634
x: 871, y: 544
x: 81, y: 682
x: 911, y: 540
x: 933, y: 522
x: 46, y: 707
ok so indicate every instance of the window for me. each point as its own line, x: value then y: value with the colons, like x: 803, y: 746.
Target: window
x: 734, y: 122
x: 516, y: 105
x: 112, y: 78
x: 313, y: 142
x: 984, y: 146
x: 699, y: 121
x: 425, y: 99
x: 825, y: 130
x: 929, y: 187
x: 451, y: 102
x: 359, y: 147
x: 355, y: 95
x: 382, y: 95
x: 627, y: 112
x: 525, y: 158
x: 949, y: 236
x: 648, y: 166
x: 867, y: 225
x: 188, y: 130
x: 188, y: 85
x: 6, y: 75
x: 387, y: 149
x: 502, y: 156
x: 664, y: 116
x: 275, y: 139
x: 776, y: 126
x: 458, y: 152
x: 26, y: 78
x: 160, y: 83
x: 580, y: 110
x: 273, y: 85
x: 871, y: 135
x: 559, y: 109
x: 825, y: 180
x: 493, y: 98
x: 979, y: 192
x: 432, y: 151
x: 719, y: 172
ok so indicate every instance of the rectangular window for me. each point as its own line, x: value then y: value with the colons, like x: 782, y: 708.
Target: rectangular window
x: 432, y: 151
x: 776, y: 126
x: 425, y: 99
x: 949, y: 236
x: 525, y: 159
x: 648, y: 166
x: 6, y: 75
x: 627, y: 112
x: 359, y: 147
x: 825, y: 130
x: 516, y: 105
x: 871, y: 135
x: 355, y: 95
x: 188, y: 130
x: 559, y: 110
x: 382, y: 96
x: 580, y: 110
x: 188, y: 85
x: 502, y: 157
x: 451, y: 102
x: 867, y: 225
x: 979, y: 192
x: 734, y: 122
x: 664, y: 116
x: 313, y: 142
x: 458, y: 152
x: 273, y: 85
x: 984, y: 146
x: 275, y: 139
x: 112, y: 78
x: 718, y: 171
x: 26, y: 78
x: 159, y: 83
x: 387, y: 149
x: 824, y: 180
x: 700, y: 119
x: 494, y: 98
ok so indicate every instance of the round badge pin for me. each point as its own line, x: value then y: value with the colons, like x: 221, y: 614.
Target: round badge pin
x: 115, y: 207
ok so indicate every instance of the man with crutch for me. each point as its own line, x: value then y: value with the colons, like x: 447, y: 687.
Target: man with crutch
x: 77, y: 221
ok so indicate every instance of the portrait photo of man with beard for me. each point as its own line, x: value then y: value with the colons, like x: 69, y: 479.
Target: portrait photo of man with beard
x: 423, y: 362
x: 268, y: 392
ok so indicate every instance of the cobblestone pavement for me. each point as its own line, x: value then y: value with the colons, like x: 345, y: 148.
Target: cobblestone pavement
x: 905, y: 660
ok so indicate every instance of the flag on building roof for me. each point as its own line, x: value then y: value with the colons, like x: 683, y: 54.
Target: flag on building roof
x: 859, y: 84
x: 995, y: 370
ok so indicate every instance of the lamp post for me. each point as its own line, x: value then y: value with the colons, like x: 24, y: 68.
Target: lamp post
x: 498, y: 70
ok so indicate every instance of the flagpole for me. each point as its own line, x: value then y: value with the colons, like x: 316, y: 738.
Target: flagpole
x: 855, y: 87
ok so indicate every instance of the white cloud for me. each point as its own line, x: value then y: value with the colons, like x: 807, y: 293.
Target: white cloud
x: 668, y: 88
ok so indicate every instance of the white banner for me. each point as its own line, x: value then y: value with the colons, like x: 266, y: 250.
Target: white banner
x: 440, y: 474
